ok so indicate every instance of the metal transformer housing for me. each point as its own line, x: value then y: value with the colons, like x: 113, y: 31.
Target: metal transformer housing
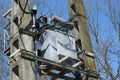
x: 57, y: 43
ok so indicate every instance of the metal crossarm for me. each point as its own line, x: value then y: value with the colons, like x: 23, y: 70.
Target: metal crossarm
x: 26, y: 54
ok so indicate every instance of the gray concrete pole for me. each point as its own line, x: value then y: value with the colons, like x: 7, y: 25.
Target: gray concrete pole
x: 25, y: 68
x: 81, y: 32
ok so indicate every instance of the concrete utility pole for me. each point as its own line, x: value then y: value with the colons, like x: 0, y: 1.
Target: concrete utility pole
x: 20, y: 69
x: 81, y: 30
x: 22, y: 43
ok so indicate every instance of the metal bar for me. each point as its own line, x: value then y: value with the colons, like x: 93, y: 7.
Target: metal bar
x: 7, y: 34
x: 63, y: 59
x: 25, y: 54
x: 24, y: 31
x: 7, y: 51
x: 77, y: 64
x: 5, y: 15
x: 7, y: 25
x: 4, y: 39
x: 14, y: 53
x: 90, y: 54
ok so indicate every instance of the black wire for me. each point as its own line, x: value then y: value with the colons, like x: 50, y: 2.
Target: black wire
x: 23, y: 9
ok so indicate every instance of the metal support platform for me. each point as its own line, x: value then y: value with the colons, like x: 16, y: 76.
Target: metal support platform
x: 26, y: 55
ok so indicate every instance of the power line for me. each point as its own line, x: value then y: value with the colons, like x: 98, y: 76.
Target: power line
x: 23, y: 9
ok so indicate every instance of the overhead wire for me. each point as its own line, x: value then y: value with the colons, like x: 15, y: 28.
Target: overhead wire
x: 23, y: 9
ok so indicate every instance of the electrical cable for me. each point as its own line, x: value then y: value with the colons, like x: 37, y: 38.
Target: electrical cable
x: 23, y: 9
x: 21, y: 19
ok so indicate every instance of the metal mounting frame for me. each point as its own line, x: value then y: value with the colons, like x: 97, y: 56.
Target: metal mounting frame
x: 7, y: 31
x: 27, y: 55
x: 6, y: 36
